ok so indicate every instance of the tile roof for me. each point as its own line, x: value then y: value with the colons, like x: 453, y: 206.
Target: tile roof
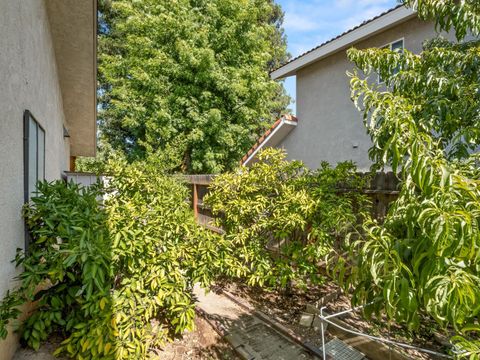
x: 266, y: 134
x: 339, y: 36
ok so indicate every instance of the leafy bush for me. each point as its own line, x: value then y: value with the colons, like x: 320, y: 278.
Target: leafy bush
x: 115, y: 279
x: 283, y: 219
x: 423, y: 261
x: 67, y: 270
x: 158, y: 254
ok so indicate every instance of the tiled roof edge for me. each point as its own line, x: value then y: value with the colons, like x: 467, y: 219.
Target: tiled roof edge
x: 260, y: 141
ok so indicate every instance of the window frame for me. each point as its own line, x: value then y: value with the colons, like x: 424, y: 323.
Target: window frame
x: 389, y: 45
x: 27, y: 115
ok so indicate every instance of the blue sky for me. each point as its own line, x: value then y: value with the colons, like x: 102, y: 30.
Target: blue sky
x: 309, y: 23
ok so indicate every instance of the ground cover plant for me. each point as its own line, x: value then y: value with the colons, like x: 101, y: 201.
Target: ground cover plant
x: 115, y: 278
x: 424, y: 123
x: 282, y: 219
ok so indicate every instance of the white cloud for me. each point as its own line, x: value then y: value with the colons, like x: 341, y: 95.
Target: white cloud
x: 298, y: 22
x: 362, y: 15
x: 308, y: 23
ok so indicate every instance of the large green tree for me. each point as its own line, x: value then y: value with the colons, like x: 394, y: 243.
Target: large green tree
x: 424, y: 260
x: 189, y: 78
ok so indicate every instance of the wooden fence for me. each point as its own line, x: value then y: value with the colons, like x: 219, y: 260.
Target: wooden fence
x: 382, y: 191
x: 199, y: 188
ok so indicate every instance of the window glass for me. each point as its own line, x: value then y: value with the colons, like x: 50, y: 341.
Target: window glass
x: 34, y: 155
x: 397, y: 46
x: 394, y: 46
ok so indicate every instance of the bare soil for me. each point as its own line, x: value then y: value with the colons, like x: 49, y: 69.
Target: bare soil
x: 204, y: 343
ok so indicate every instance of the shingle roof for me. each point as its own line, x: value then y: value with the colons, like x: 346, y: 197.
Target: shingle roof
x: 266, y: 134
x: 339, y: 36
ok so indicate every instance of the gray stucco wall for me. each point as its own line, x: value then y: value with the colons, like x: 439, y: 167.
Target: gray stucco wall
x: 28, y: 78
x: 329, y: 126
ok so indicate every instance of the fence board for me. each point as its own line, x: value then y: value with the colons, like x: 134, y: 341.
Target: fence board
x: 382, y: 190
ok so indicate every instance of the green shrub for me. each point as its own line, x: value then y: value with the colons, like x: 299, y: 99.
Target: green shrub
x: 282, y: 220
x: 66, y: 269
x: 158, y: 254
x: 423, y: 261
x: 116, y: 278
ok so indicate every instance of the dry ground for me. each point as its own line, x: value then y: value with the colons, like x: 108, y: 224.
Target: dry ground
x: 202, y: 344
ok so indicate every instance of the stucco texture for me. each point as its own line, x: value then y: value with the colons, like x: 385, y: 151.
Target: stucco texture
x: 329, y: 126
x: 28, y: 78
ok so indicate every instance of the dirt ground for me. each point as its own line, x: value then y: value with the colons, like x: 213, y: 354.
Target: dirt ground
x: 287, y: 310
x: 202, y: 344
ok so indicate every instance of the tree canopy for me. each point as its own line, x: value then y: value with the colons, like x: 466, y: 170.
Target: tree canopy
x: 189, y: 77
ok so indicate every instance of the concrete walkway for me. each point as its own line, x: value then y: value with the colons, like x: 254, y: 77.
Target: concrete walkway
x: 253, y: 338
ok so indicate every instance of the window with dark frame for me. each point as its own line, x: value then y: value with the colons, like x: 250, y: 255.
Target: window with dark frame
x: 398, y: 45
x: 33, y: 159
x: 34, y: 154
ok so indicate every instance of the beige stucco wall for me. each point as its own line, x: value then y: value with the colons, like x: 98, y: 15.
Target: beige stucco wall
x: 28, y: 78
x: 329, y: 126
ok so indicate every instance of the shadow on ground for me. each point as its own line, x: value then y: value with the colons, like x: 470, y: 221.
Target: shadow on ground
x: 203, y: 343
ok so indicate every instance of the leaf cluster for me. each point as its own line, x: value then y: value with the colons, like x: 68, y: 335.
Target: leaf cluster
x: 283, y: 219
x: 66, y: 272
x: 158, y: 255
x: 461, y: 16
x: 424, y: 123
x: 189, y: 77
x: 111, y: 268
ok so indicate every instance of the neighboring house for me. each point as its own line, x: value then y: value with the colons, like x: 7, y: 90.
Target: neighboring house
x: 329, y: 127
x: 47, y: 108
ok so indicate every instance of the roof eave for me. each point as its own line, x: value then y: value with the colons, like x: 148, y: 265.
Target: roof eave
x: 73, y: 27
x: 345, y: 41
x: 280, y: 131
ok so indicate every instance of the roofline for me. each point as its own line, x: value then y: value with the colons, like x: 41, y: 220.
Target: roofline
x: 376, y: 25
x: 289, y: 120
x: 73, y: 30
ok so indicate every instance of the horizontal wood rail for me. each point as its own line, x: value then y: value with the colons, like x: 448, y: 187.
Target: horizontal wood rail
x: 382, y: 191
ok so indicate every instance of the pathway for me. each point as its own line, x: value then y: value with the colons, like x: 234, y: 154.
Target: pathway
x: 253, y: 338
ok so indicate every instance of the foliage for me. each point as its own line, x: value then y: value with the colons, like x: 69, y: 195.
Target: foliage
x: 461, y: 16
x: 98, y: 164
x: 283, y: 219
x: 423, y: 260
x: 158, y: 254
x: 8, y: 311
x: 189, y: 77
x: 66, y: 270
x: 116, y: 280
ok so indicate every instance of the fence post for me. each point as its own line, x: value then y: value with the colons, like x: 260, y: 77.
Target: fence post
x: 195, y: 201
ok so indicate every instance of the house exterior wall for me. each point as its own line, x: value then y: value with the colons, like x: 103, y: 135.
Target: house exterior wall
x: 28, y: 78
x: 329, y: 126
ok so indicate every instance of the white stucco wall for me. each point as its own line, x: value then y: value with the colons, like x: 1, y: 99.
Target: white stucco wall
x: 329, y: 126
x: 28, y: 78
